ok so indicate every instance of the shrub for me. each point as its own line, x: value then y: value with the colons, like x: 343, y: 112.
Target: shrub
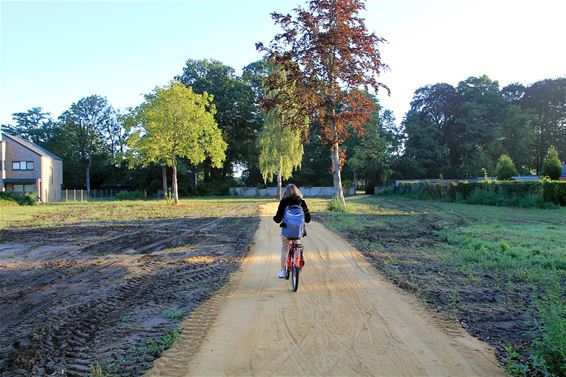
x: 30, y: 198
x: 130, y: 195
x: 552, y: 167
x: 546, y: 355
x: 335, y: 205
x: 11, y: 199
x: 548, y: 350
x: 7, y: 200
x: 220, y: 187
x: 505, y: 168
x: 544, y: 193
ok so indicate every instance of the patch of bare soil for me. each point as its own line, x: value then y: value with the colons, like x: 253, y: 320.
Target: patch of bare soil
x: 108, y: 295
x: 488, y: 309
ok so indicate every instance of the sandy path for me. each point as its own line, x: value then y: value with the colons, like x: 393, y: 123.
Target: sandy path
x: 345, y: 320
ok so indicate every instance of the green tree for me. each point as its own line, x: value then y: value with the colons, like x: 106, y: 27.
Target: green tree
x: 34, y: 125
x: 281, y: 150
x: 479, y: 162
x: 505, y: 168
x: 83, y: 124
x: 552, y: 167
x: 546, y: 101
x: 237, y: 113
x: 254, y: 75
x: 370, y: 155
x: 280, y: 145
x: 177, y: 123
x: 426, y: 155
x: 136, y: 156
x: 517, y: 137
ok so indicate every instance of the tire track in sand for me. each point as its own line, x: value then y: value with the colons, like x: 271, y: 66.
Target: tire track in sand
x: 345, y: 320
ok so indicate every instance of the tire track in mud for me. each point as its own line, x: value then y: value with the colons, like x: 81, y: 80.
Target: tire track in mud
x: 111, y: 311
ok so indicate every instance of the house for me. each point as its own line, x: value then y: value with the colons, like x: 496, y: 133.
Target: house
x: 563, y: 175
x: 27, y: 167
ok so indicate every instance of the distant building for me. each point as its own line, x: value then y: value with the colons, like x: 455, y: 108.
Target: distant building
x: 27, y: 167
x: 563, y: 176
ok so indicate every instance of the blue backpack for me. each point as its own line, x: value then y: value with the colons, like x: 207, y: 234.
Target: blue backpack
x: 294, y: 220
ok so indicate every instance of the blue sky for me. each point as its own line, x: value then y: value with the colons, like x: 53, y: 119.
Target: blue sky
x: 54, y: 53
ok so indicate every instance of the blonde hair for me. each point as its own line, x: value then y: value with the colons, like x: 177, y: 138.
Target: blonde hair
x: 292, y: 190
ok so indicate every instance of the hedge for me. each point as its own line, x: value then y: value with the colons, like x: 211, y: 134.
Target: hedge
x: 11, y: 199
x: 542, y: 193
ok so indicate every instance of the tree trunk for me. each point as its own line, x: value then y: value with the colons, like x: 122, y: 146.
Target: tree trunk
x: 195, y: 173
x: 164, y: 179
x: 335, y: 156
x: 355, y: 179
x: 174, y: 182
x: 88, y: 176
x: 279, y: 183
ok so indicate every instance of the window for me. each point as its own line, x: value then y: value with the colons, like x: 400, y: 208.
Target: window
x: 23, y: 165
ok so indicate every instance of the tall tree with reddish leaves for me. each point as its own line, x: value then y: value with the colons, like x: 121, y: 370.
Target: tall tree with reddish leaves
x: 330, y: 57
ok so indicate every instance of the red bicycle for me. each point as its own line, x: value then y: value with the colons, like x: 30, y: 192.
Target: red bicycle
x: 295, y: 263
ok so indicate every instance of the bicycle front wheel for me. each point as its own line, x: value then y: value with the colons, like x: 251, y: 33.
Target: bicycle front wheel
x: 295, y: 278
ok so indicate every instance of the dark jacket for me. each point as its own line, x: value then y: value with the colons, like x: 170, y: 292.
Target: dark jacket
x: 290, y: 201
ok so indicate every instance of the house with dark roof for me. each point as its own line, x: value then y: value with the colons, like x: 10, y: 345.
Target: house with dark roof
x: 27, y: 167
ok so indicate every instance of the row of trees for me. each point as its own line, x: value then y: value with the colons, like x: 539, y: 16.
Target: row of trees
x: 306, y: 110
x: 327, y: 59
x: 99, y: 144
x: 89, y: 136
x: 456, y: 131
x: 432, y: 141
x: 506, y: 169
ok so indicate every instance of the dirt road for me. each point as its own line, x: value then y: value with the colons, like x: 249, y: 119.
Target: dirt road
x: 345, y: 320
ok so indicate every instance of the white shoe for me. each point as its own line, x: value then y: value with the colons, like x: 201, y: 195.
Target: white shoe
x: 281, y: 274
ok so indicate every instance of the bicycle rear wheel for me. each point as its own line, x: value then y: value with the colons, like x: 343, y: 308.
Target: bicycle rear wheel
x: 295, y: 277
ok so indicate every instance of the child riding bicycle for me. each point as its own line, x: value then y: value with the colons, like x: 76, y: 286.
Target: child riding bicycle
x: 291, y: 197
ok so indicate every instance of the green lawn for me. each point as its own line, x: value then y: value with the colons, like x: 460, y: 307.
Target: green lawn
x: 500, y: 271
x: 103, y: 211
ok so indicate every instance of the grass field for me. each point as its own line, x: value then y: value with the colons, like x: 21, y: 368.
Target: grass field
x: 499, y: 271
x: 105, y: 211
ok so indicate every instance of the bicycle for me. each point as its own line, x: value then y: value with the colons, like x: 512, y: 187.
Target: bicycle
x: 295, y: 263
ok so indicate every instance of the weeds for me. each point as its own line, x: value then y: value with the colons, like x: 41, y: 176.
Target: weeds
x: 130, y: 195
x: 486, y: 259
x: 548, y: 350
x: 173, y: 314
x: 513, y: 363
x: 156, y: 347
x: 97, y: 370
x: 335, y: 205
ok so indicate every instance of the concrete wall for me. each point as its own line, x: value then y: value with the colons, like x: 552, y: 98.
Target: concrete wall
x: 272, y: 191
x: 51, y: 179
x: 2, y: 162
